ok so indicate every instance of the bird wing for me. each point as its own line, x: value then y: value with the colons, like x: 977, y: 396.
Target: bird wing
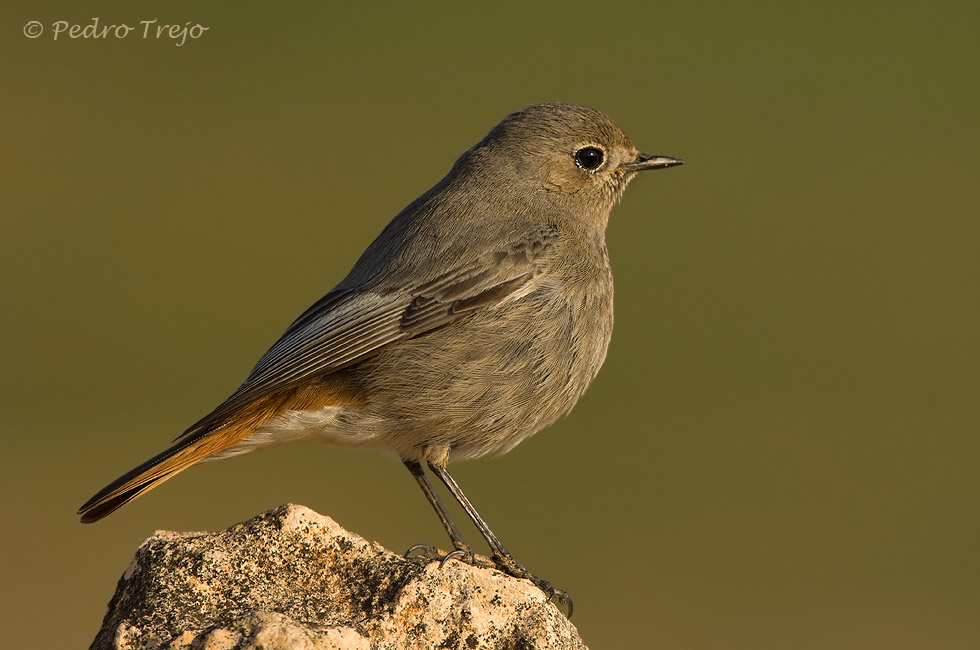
x: 346, y: 326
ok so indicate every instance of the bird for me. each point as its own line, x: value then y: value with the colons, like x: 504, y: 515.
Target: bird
x: 478, y: 316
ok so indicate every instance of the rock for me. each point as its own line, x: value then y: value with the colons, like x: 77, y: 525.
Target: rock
x: 292, y: 578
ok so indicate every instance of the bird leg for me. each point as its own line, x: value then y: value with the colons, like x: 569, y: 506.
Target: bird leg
x: 501, y: 556
x: 462, y: 548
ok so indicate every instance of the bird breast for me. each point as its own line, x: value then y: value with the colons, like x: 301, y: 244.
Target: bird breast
x: 484, y: 383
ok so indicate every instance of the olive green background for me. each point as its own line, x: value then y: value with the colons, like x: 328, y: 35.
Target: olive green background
x: 781, y: 450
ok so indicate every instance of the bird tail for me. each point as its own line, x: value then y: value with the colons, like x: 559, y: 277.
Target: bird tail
x: 232, y: 422
x: 155, y: 471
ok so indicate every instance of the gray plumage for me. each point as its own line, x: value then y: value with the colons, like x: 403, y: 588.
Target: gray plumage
x: 479, y: 315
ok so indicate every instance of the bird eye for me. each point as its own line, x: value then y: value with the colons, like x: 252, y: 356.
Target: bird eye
x: 589, y: 158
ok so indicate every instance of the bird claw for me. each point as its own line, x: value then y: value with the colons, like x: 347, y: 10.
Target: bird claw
x: 552, y: 592
x: 429, y: 552
x: 563, y: 599
x: 435, y: 555
x: 502, y: 561
x: 462, y: 556
x: 506, y: 563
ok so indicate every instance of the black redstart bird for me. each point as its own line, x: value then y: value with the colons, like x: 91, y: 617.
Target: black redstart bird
x: 478, y: 317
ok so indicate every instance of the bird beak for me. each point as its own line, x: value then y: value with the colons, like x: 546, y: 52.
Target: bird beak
x: 648, y: 161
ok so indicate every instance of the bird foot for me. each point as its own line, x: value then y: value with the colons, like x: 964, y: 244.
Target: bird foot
x: 506, y: 563
x: 426, y: 551
x: 462, y: 554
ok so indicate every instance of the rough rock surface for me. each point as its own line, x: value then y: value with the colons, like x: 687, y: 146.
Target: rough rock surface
x: 292, y: 578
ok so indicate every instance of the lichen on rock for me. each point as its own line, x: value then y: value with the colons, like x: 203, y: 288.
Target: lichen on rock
x: 292, y: 578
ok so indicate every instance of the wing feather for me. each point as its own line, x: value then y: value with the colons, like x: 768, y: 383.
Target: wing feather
x: 346, y: 326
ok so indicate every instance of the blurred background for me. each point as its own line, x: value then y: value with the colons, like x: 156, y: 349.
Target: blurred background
x: 781, y: 449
